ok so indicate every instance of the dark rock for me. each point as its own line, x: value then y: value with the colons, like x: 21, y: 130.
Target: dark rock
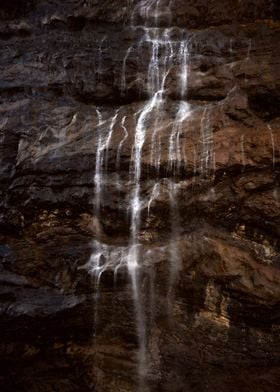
x: 209, y: 281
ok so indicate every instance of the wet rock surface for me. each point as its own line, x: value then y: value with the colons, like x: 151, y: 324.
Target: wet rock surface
x: 209, y: 276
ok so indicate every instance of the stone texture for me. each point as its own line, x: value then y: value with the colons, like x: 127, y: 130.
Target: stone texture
x: 216, y: 324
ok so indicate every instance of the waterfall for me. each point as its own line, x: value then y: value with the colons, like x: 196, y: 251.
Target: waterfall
x: 208, y: 156
x: 168, y: 59
x: 272, y: 145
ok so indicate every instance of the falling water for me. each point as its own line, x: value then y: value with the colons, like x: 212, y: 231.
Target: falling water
x: 98, y: 166
x: 96, y: 264
x: 102, y: 152
x: 207, y: 144
x: 184, y: 55
x: 123, y: 75
x: 175, y: 256
x: 100, y: 58
x: 134, y: 245
x: 163, y: 52
x: 168, y: 56
x: 109, y: 137
x: 272, y: 145
x: 154, y: 195
x: 176, y: 155
x: 121, y: 142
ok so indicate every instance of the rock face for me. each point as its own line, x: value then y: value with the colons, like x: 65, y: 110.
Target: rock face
x: 139, y: 209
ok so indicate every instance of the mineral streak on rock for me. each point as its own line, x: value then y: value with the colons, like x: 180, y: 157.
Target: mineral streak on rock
x: 139, y: 208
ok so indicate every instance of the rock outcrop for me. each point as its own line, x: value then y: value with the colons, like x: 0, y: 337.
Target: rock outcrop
x: 208, y: 281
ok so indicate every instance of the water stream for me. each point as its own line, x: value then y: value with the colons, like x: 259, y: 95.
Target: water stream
x: 141, y: 151
x: 168, y: 59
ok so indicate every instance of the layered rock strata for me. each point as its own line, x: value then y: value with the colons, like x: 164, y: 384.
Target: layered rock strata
x: 193, y: 205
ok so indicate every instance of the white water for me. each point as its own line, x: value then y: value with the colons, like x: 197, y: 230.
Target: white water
x: 272, y: 145
x: 101, y: 153
x: 109, y: 137
x: 125, y: 136
x: 98, y: 166
x: 184, y: 55
x: 168, y: 59
x: 207, y: 144
x: 123, y: 75
x: 154, y: 195
x: 175, y: 153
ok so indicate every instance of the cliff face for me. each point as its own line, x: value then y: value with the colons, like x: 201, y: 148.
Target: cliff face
x: 139, y: 209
